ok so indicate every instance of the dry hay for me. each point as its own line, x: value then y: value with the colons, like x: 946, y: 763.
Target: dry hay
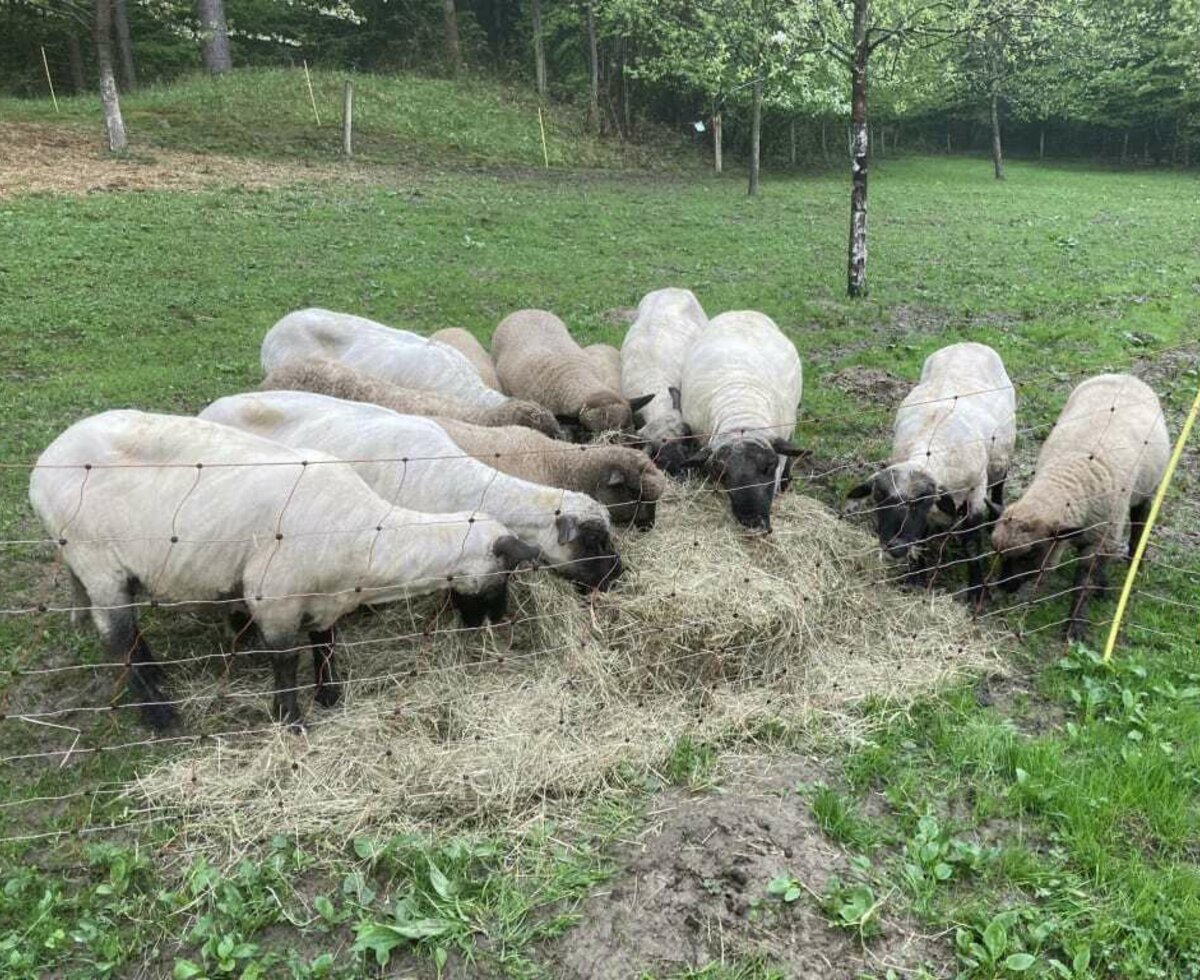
x: 711, y: 633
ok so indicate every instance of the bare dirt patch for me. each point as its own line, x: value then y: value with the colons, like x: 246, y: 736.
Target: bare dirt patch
x: 880, y: 388
x: 41, y: 158
x: 694, y: 891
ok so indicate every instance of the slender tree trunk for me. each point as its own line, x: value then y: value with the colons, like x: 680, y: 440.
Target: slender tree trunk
x: 128, y: 72
x: 114, y: 125
x: 859, y: 146
x: 792, y: 134
x: 717, y: 163
x: 1125, y: 149
x: 453, y: 48
x: 594, y: 65
x: 626, y: 84
x: 539, y: 49
x: 824, y: 143
x: 75, y: 56
x: 997, y: 153
x: 949, y: 148
x: 214, y: 36
x: 755, y: 137
x: 1042, y: 143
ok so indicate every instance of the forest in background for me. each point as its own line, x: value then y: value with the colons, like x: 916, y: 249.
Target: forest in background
x: 1096, y: 79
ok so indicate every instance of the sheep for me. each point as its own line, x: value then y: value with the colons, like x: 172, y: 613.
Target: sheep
x: 741, y: 389
x: 667, y: 322
x: 536, y: 358
x: 606, y: 363
x: 325, y: 377
x: 411, y: 461
x: 398, y: 356
x: 952, y: 443
x: 178, y: 509
x: 623, y: 479
x: 1096, y: 476
x: 466, y: 344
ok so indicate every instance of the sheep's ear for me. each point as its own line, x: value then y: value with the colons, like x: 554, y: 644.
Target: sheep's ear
x: 995, y: 510
x: 785, y: 447
x: 637, y: 404
x: 946, y: 504
x: 568, y: 528
x: 676, y: 398
x: 513, y: 551
x: 698, y: 460
x: 864, y: 489
x: 615, y: 478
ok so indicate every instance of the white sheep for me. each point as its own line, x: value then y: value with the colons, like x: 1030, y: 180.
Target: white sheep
x: 1096, y: 476
x: 623, y: 479
x: 325, y: 377
x: 469, y: 346
x: 952, y: 443
x: 667, y: 323
x: 742, y: 383
x: 186, y: 510
x: 537, y: 359
x: 411, y: 461
x: 397, y: 356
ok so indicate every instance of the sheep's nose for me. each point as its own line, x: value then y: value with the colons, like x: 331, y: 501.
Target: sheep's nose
x: 900, y: 550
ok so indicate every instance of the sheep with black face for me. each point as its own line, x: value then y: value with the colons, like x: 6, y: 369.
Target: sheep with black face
x: 742, y: 383
x: 951, y: 445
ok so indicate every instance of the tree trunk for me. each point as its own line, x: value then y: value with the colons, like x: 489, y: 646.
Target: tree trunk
x: 453, y: 48
x: 824, y: 143
x: 594, y: 64
x: 1042, y: 143
x: 949, y: 148
x: 114, y: 125
x: 997, y: 154
x: 859, y: 145
x: 539, y: 49
x: 1125, y: 149
x: 792, y: 134
x: 755, y: 137
x: 214, y: 36
x: 128, y: 73
x: 626, y: 83
x: 75, y: 56
x: 716, y: 123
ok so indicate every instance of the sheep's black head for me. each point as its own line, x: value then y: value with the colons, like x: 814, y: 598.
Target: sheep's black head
x: 1027, y: 550
x: 748, y: 472
x: 902, y: 504
x: 593, y: 562
x: 630, y: 494
x: 490, y: 602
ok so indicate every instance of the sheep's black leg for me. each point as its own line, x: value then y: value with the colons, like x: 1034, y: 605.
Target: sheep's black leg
x: 81, y: 602
x: 971, y: 538
x: 996, y: 492
x: 1137, y: 524
x: 285, y: 708
x: 1089, y: 574
x: 143, y: 674
x: 325, y: 675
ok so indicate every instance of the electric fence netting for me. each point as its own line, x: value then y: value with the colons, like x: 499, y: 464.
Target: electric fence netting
x: 709, y: 634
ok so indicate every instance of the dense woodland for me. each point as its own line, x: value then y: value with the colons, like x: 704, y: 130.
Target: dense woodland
x: 1104, y: 79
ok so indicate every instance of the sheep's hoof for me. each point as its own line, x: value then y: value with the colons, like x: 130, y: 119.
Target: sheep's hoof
x: 1077, y: 631
x: 328, y: 694
x: 160, y: 717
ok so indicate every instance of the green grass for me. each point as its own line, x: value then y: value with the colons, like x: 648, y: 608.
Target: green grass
x: 1077, y: 835
x: 400, y: 120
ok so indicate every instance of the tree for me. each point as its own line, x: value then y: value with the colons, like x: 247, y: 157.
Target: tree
x: 114, y: 125
x: 593, y: 110
x: 214, y: 36
x: 124, y: 46
x: 539, y: 48
x: 453, y: 47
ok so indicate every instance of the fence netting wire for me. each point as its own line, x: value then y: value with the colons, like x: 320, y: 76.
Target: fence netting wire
x: 708, y: 634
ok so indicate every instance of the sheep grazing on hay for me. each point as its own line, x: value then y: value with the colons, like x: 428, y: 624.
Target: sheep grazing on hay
x: 712, y: 633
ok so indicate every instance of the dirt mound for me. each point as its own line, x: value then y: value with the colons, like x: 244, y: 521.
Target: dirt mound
x: 694, y: 892
x: 880, y: 388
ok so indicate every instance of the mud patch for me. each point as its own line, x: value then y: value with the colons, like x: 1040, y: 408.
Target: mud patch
x: 1018, y: 702
x: 619, y: 316
x: 880, y: 388
x: 694, y: 891
x: 42, y: 158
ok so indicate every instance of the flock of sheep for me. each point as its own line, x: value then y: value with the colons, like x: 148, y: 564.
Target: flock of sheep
x: 375, y: 464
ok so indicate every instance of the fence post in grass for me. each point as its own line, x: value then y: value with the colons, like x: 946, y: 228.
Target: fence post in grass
x: 347, y: 117
x: 311, y: 96
x: 542, y: 130
x: 53, y: 98
x: 1136, y: 562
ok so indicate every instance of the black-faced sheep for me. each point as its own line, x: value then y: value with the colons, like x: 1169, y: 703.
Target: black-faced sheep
x: 741, y: 390
x: 951, y: 446
x: 1096, y: 476
x: 411, y: 461
x: 537, y: 359
x: 623, y: 479
x: 466, y: 344
x: 187, y: 510
x: 667, y: 323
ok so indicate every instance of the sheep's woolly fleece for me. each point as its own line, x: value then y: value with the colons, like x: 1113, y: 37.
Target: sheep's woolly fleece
x: 709, y: 634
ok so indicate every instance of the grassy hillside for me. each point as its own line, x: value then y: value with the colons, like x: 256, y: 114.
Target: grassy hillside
x: 399, y: 119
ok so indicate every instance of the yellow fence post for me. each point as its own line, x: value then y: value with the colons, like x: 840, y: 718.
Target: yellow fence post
x: 1136, y: 562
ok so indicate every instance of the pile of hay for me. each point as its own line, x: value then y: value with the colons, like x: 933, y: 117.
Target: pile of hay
x: 710, y: 633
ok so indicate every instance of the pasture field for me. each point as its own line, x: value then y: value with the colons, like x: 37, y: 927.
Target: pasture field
x: 1042, y: 821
